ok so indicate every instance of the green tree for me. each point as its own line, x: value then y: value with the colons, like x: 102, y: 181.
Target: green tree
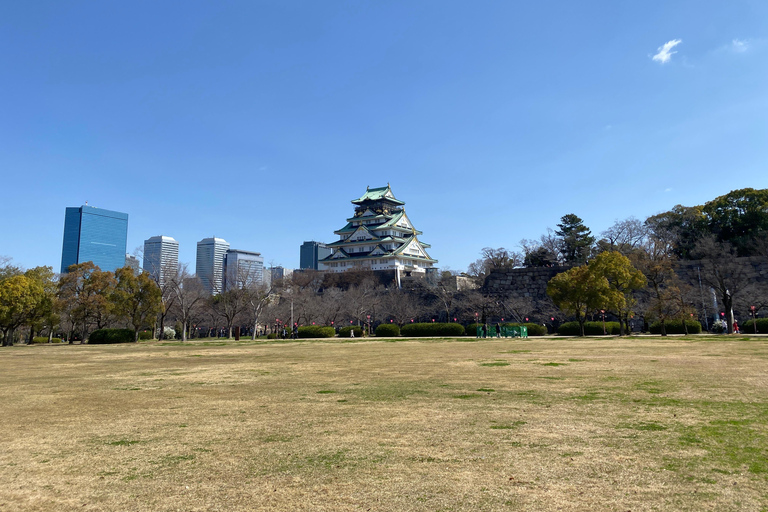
x: 623, y: 280
x: 19, y: 296
x: 579, y: 291
x: 137, y: 299
x: 44, y: 314
x: 84, y: 297
x: 740, y: 218
x: 575, y: 240
x: 681, y: 227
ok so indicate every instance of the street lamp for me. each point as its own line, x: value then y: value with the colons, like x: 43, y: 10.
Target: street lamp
x: 369, y: 325
x: 754, y: 317
x: 603, y: 313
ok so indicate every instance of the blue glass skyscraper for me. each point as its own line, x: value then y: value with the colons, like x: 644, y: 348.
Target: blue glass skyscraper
x: 94, y: 234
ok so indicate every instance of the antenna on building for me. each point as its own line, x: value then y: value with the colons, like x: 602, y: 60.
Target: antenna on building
x: 86, y: 202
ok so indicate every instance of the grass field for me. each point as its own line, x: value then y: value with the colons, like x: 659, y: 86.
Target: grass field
x: 539, y: 424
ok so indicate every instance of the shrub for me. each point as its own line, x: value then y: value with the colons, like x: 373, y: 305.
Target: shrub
x: 762, y: 326
x: 676, y: 327
x: 145, y: 335
x: 44, y: 339
x: 590, y: 328
x: 533, y: 329
x: 471, y: 329
x: 316, y: 331
x: 388, y: 330
x: 344, y: 331
x: 169, y: 333
x: 272, y: 336
x: 432, y: 329
x: 103, y: 336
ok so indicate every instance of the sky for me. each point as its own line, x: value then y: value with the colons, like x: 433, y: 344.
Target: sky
x: 258, y: 122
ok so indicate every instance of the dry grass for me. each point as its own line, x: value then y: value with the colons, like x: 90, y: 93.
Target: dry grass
x: 567, y: 424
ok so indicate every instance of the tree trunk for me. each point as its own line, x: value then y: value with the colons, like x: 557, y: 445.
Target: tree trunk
x: 184, y: 331
x: 663, y: 328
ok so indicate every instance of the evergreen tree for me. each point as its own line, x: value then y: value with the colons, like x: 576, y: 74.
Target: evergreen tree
x: 575, y: 240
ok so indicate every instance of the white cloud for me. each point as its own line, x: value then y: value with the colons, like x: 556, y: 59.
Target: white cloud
x: 665, y: 52
x: 667, y: 190
x: 739, y: 46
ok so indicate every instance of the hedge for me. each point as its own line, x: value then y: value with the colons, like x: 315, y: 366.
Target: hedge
x: 44, y: 339
x: 387, y: 330
x: 316, y: 331
x: 590, y: 328
x: 762, y: 326
x: 432, y: 329
x: 145, y: 335
x: 471, y: 329
x: 344, y: 331
x: 103, y: 336
x: 675, y: 327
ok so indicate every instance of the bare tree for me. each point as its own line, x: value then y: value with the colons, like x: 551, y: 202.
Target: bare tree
x: 189, y: 297
x: 624, y: 236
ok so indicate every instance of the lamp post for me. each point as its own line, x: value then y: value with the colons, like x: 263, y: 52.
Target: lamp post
x: 602, y: 311
x: 369, y: 325
x: 754, y: 318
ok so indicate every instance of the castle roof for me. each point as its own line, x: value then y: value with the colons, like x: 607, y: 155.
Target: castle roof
x: 378, y: 194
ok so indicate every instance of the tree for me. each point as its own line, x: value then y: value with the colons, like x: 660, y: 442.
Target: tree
x: 189, y: 296
x: 623, y: 280
x: 739, y: 217
x: 721, y: 271
x: 494, y: 259
x: 84, y: 296
x: 256, y: 297
x: 578, y: 291
x: 44, y: 313
x: 136, y: 298
x: 623, y: 236
x: 19, y: 296
x: 575, y: 240
x: 682, y: 227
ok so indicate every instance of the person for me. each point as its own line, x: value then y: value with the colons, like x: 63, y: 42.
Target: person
x: 498, y: 330
x: 285, y: 332
x: 485, y: 330
x: 295, y: 331
x: 735, y: 327
x: 352, y: 332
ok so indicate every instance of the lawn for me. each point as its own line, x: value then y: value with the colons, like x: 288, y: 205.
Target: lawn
x: 433, y: 425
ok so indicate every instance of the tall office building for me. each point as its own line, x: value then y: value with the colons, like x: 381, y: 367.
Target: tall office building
x: 94, y: 234
x: 210, y: 263
x: 243, y: 268
x: 312, y: 252
x: 161, y: 258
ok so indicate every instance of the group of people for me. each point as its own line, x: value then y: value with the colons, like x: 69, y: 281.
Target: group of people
x: 485, y: 330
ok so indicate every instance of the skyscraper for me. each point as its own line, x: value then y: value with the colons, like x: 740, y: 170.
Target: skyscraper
x: 210, y: 263
x: 243, y: 268
x: 161, y: 258
x: 312, y: 252
x: 94, y: 234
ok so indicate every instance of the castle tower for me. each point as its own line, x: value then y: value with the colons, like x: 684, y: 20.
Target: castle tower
x: 379, y: 236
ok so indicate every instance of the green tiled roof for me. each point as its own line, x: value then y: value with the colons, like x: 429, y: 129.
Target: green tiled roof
x: 378, y: 194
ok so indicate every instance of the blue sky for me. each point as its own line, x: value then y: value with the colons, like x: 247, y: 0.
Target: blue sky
x: 258, y: 122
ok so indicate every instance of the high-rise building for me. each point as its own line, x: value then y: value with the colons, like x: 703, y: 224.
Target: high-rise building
x: 210, y: 263
x: 94, y: 234
x: 243, y: 268
x: 133, y: 263
x: 312, y: 252
x: 161, y: 258
x: 379, y: 236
